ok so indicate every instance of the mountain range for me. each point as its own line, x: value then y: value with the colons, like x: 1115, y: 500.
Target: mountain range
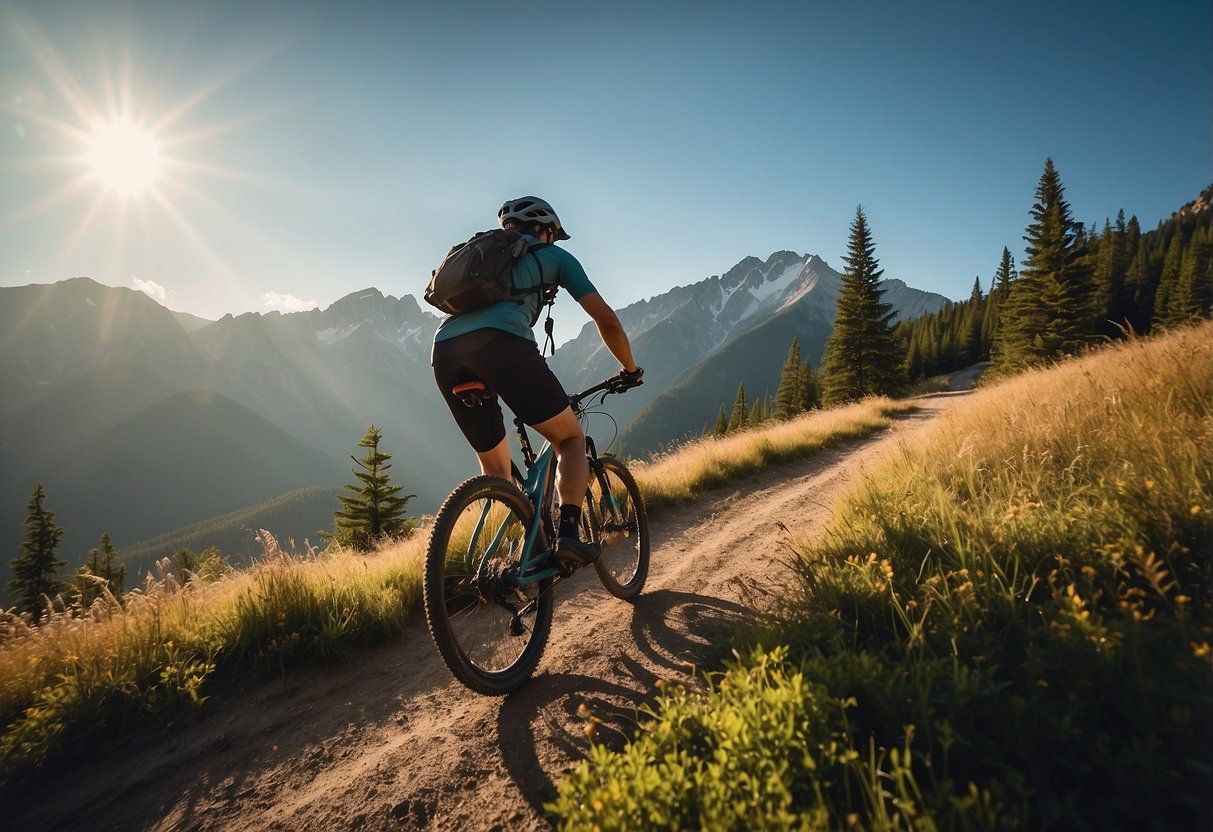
x: 139, y: 421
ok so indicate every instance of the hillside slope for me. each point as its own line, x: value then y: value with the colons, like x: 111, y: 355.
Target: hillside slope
x: 388, y: 741
x: 172, y: 463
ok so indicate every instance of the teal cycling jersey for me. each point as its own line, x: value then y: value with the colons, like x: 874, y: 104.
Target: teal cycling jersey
x: 514, y: 316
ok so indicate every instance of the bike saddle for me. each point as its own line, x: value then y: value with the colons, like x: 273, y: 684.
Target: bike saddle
x: 473, y: 393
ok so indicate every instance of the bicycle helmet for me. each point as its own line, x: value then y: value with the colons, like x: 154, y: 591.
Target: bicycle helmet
x: 528, y: 209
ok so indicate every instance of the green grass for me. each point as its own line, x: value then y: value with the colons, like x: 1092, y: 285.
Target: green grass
x: 1008, y: 627
x: 86, y: 673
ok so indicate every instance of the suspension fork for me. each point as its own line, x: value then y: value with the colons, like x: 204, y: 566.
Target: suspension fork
x: 598, y: 471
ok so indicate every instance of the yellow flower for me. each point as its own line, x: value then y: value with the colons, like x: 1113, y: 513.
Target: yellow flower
x: 1195, y: 510
x: 1201, y: 649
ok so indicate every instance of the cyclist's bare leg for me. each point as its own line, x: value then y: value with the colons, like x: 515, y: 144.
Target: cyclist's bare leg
x: 572, y: 470
x: 497, y: 461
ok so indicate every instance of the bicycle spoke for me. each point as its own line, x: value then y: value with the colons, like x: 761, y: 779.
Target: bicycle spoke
x: 489, y: 629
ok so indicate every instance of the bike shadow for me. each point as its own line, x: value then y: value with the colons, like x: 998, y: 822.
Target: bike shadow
x: 672, y: 633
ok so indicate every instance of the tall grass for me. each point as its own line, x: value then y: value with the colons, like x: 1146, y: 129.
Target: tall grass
x: 1009, y: 626
x: 712, y: 462
x: 88, y: 672
x: 85, y: 672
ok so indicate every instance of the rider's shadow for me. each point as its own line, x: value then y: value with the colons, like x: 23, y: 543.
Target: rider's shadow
x: 672, y: 634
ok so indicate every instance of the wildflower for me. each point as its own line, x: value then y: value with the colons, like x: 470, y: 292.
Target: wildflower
x: 1201, y: 649
x: 1195, y: 511
x: 1182, y: 599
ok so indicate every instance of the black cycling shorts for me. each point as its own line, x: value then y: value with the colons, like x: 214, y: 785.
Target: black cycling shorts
x: 512, y: 368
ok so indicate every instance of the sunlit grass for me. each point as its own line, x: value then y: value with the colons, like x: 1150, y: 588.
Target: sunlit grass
x: 85, y: 673
x: 1009, y: 626
x: 82, y: 674
x: 712, y: 462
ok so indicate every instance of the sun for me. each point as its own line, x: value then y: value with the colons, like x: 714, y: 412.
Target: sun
x: 123, y: 157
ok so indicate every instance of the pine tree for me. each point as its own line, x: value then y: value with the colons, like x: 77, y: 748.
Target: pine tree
x: 1167, y: 303
x: 1112, y: 264
x: 36, y: 570
x: 722, y: 422
x: 970, y: 345
x: 103, y: 563
x: 863, y: 356
x: 375, y: 510
x: 741, y: 407
x: 1050, y: 312
x: 810, y: 387
x: 1193, y: 292
x: 757, y: 414
x: 789, y: 397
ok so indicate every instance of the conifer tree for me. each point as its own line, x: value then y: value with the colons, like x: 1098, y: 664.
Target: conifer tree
x: 722, y: 422
x: 863, y: 356
x: 789, y: 397
x: 103, y: 563
x: 741, y: 407
x: 970, y: 345
x: 1193, y: 292
x: 1166, y: 298
x: 36, y: 571
x: 1111, y: 266
x: 1050, y: 312
x: 810, y: 387
x: 757, y: 414
x: 375, y: 509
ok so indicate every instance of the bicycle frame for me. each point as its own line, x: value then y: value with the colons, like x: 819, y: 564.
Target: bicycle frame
x: 537, y: 485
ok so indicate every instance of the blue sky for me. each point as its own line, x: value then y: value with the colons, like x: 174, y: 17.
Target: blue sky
x: 308, y: 150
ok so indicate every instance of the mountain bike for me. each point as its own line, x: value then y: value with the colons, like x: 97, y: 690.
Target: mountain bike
x: 489, y: 568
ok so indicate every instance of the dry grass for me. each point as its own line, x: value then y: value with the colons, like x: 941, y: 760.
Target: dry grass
x: 85, y: 672
x: 716, y: 461
x: 1010, y: 626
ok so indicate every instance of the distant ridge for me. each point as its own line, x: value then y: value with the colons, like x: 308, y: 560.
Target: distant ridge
x: 296, y: 515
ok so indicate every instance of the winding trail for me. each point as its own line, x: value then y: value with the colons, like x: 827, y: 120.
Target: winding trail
x: 388, y: 741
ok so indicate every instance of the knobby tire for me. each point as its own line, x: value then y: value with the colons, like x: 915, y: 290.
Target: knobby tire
x: 623, y: 565
x: 469, y: 617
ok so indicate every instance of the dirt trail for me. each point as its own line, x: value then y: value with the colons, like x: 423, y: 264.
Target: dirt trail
x: 388, y: 741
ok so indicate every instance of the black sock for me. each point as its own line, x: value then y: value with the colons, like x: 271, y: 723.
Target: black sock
x: 570, y: 519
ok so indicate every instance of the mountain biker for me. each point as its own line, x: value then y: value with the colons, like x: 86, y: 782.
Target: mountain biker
x: 495, y: 345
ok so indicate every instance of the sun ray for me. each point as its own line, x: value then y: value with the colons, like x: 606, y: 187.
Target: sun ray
x: 67, y: 131
x: 58, y: 73
x: 85, y: 223
x: 137, y: 174
x: 48, y: 201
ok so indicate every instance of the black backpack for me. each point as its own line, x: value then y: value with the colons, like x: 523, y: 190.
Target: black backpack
x: 478, y: 273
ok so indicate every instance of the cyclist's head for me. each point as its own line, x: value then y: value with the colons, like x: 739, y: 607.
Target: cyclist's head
x: 527, y: 212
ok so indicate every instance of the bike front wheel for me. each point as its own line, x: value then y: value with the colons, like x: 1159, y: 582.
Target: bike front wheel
x: 615, y: 516
x: 489, y: 623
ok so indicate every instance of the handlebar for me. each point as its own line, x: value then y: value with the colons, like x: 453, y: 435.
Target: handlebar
x: 615, y: 384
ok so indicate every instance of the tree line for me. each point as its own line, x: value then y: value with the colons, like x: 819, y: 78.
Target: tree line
x: 1076, y: 287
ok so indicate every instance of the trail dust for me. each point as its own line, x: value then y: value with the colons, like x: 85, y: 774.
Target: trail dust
x: 387, y: 740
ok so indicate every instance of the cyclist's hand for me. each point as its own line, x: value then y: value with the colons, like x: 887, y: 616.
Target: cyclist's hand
x: 632, y: 379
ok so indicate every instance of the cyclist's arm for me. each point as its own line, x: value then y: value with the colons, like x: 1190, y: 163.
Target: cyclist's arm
x: 609, y: 328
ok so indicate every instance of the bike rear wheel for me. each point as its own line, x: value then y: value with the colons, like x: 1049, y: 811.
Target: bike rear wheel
x: 620, y: 527
x: 489, y: 629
